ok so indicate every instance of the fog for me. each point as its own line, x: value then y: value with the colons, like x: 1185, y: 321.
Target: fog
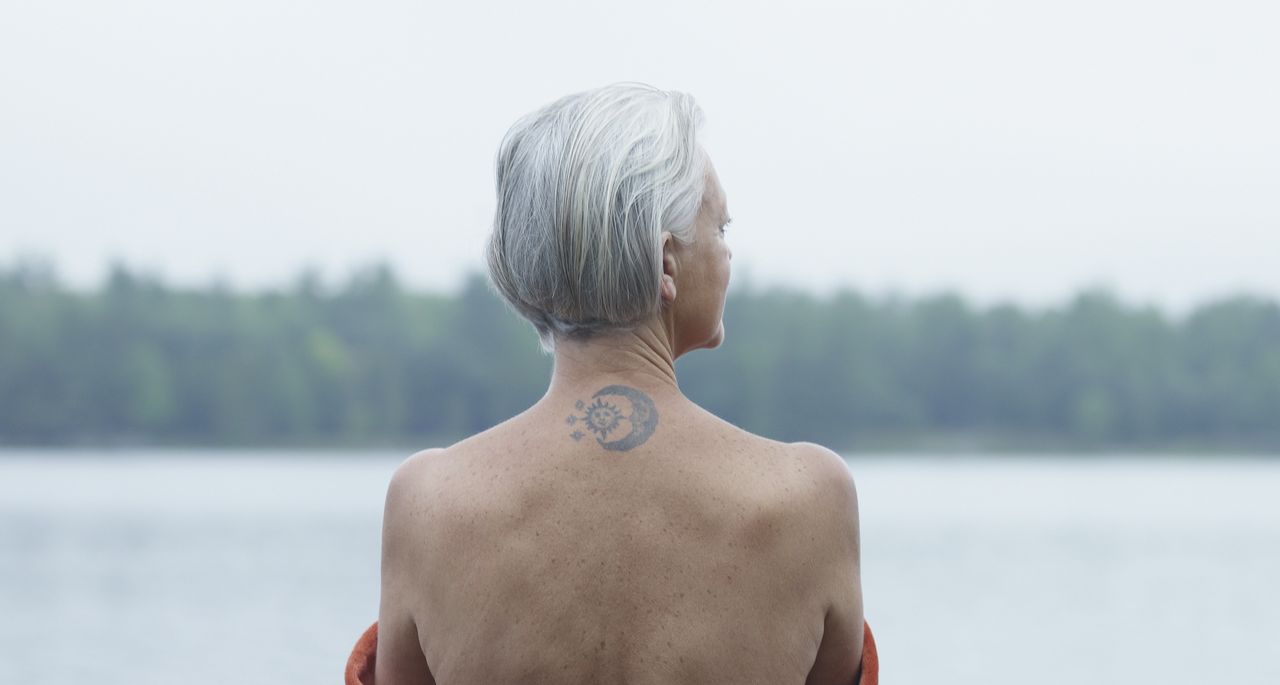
x: 1008, y: 151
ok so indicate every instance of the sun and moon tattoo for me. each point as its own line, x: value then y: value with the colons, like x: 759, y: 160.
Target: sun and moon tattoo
x: 608, y: 411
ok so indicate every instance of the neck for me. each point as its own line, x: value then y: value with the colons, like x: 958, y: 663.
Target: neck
x: 643, y: 358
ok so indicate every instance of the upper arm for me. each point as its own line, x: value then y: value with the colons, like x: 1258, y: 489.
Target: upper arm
x: 838, y: 553
x: 399, y: 656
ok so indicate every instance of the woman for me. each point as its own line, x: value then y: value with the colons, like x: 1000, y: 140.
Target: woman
x: 615, y: 531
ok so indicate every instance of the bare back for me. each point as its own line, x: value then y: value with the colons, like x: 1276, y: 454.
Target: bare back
x: 702, y: 554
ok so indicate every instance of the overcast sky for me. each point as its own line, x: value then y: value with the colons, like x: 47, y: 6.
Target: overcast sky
x: 1008, y: 150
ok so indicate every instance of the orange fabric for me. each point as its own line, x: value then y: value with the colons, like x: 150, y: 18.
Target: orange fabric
x: 360, y: 663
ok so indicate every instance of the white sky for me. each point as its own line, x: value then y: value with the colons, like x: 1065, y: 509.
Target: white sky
x: 1009, y: 150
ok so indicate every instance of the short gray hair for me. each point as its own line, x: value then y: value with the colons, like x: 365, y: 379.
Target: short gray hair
x: 586, y: 185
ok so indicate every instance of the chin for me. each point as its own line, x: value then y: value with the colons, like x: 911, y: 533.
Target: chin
x: 716, y: 339
x: 709, y: 343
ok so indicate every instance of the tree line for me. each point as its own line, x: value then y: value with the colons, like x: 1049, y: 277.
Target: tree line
x: 369, y: 362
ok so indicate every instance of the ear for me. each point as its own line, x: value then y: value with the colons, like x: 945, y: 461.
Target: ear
x: 669, y: 268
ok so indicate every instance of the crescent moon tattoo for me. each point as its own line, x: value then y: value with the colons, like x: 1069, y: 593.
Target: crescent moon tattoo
x: 602, y: 417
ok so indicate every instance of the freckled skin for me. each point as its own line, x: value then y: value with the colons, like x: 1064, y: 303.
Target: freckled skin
x: 690, y: 552
x: 684, y: 561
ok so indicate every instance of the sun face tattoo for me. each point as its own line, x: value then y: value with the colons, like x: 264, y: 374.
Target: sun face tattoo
x: 607, y: 413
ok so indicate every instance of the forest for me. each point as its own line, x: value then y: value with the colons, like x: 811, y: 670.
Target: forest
x: 367, y: 362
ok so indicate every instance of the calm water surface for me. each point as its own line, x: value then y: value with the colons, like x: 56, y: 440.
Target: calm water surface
x: 262, y: 567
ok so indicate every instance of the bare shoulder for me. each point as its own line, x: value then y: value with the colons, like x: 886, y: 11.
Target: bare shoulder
x: 829, y: 469
x: 834, y: 497
x: 409, y: 490
x: 411, y: 472
x: 399, y: 650
x: 834, y: 517
x: 721, y: 428
x: 823, y: 472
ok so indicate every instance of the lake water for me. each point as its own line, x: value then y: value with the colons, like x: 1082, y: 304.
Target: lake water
x: 262, y: 567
